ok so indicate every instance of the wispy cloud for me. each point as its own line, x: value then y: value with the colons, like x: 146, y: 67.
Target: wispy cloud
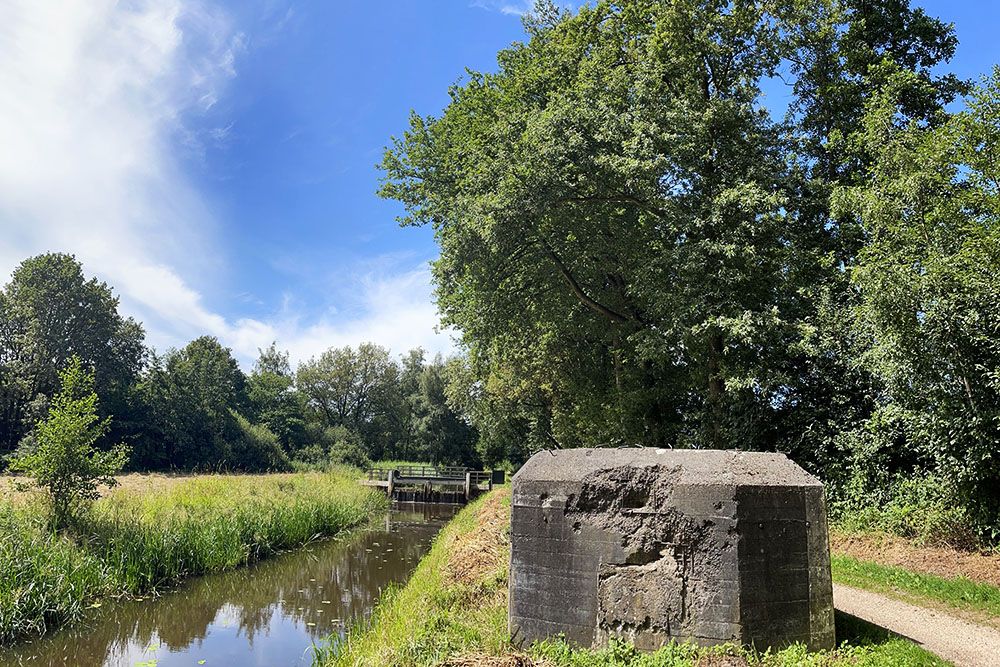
x: 96, y: 98
x: 509, y: 7
x: 392, y: 308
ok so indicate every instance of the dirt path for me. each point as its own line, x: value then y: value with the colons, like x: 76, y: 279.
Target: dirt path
x: 963, y: 643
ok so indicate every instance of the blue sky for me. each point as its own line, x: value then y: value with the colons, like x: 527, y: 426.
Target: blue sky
x: 215, y: 161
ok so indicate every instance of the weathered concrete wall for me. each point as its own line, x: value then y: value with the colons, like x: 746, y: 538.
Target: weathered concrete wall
x: 653, y: 545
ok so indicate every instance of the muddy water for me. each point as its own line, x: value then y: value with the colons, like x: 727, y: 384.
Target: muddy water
x: 268, y: 614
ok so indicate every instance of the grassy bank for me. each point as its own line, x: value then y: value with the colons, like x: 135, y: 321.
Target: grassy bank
x: 453, y: 612
x: 134, y: 540
x: 926, y: 589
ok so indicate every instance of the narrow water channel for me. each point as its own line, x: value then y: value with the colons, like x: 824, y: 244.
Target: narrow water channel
x: 268, y: 614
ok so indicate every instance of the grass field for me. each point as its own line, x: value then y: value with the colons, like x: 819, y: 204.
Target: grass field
x: 453, y: 612
x: 155, y: 530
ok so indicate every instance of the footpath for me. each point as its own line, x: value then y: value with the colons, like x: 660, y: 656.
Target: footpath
x: 961, y: 642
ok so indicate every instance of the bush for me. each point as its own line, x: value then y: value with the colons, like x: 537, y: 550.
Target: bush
x: 335, y: 445
x: 350, y: 454
x: 257, y: 449
x: 921, y: 507
x: 62, y: 458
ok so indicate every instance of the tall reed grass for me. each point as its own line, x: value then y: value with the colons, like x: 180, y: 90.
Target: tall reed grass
x: 132, y: 543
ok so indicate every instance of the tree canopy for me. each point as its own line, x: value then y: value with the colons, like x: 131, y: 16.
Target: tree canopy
x: 637, y: 250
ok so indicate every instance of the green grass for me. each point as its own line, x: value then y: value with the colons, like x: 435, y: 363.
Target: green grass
x: 881, y: 653
x: 958, y: 592
x: 433, y: 618
x: 131, y: 543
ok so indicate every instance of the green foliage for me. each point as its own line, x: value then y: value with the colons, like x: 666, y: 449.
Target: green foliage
x: 191, y: 395
x: 256, y: 448
x: 356, y: 389
x: 633, y: 250
x: 923, y: 508
x: 363, y: 398
x: 441, y: 435
x: 62, y: 458
x: 928, y: 279
x: 49, y: 313
x: 605, y: 121
x: 274, y: 402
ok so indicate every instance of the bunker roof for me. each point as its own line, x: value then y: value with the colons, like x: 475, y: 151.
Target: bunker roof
x: 694, y: 466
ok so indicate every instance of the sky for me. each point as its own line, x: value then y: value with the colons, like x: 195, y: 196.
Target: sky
x: 215, y: 162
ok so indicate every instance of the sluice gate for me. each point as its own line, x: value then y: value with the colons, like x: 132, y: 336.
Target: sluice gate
x: 432, y: 483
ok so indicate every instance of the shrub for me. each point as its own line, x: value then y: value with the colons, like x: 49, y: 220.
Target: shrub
x: 63, y: 459
x: 921, y: 507
x: 256, y: 448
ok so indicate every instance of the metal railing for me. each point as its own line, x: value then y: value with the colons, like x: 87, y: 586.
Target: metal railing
x: 430, y: 473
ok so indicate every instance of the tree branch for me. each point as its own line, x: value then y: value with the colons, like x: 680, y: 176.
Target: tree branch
x: 580, y: 293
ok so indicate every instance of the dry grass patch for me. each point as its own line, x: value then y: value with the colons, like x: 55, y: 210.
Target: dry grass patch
x: 474, y: 556
x: 899, y: 552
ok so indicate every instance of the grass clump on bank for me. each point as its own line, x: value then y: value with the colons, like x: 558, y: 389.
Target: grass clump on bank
x: 453, y: 613
x: 131, y: 543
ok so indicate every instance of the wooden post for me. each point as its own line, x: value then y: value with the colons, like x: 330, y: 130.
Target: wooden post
x: 468, y: 485
x: 392, y: 483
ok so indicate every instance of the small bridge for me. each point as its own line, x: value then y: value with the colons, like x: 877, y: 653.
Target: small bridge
x: 432, y: 483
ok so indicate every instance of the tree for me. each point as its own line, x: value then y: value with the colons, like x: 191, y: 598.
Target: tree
x: 63, y: 458
x: 274, y: 401
x: 837, y: 52
x: 928, y: 279
x: 619, y: 151
x: 633, y: 250
x: 190, y: 396
x: 440, y: 433
x: 357, y: 389
x: 49, y: 312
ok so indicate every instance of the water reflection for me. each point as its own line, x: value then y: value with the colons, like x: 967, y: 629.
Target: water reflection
x: 268, y: 614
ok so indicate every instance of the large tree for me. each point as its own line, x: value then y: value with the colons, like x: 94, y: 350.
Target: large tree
x: 632, y: 248
x: 441, y: 434
x: 357, y: 389
x: 274, y: 401
x: 49, y: 313
x: 190, y: 397
x: 609, y: 207
x: 929, y: 280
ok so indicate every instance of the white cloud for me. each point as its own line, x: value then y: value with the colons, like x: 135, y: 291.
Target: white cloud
x: 96, y: 93
x: 511, y: 8
x: 393, y: 309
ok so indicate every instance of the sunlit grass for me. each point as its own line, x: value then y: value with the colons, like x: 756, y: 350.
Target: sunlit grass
x: 132, y: 542
x: 957, y: 592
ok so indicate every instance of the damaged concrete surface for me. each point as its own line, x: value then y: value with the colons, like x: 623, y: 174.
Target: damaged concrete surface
x: 653, y: 545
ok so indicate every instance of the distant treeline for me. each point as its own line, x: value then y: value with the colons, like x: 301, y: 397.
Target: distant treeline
x: 194, y: 408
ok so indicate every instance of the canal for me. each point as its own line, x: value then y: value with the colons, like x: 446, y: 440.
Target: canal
x: 270, y: 613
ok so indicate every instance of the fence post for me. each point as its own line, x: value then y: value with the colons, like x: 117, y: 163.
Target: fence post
x: 468, y: 485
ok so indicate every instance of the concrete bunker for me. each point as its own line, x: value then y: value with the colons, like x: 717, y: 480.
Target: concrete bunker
x: 653, y: 545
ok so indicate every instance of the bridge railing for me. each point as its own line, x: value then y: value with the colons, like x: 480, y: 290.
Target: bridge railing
x: 431, y: 473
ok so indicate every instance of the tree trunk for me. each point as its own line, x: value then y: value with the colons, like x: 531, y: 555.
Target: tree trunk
x: 716, y: 390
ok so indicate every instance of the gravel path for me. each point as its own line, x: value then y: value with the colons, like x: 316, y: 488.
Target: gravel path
x: 963, y: 643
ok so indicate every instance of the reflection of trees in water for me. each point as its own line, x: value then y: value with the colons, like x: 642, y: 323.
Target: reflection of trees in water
x: 349, y: 575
